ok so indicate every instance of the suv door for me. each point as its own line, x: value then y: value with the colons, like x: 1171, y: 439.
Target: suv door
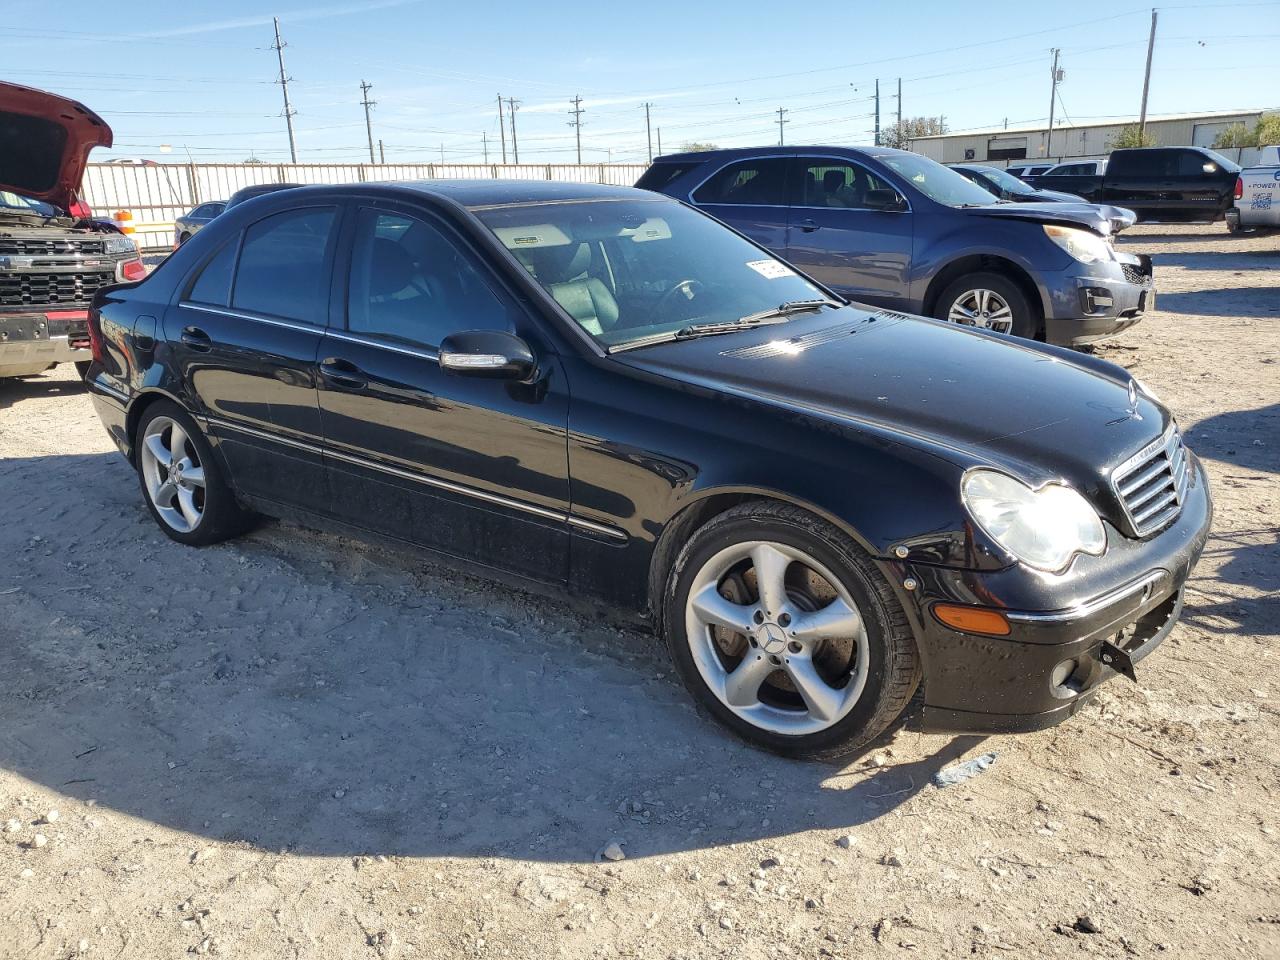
x: 751, y: 196
x: 244, y: 336
x: 1198, y: 182
x: 840, y: 238
x: 1141, y: 178
x: 472, y: 467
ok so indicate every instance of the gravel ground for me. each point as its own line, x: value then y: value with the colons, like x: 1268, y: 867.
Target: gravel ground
x: 294, y: 745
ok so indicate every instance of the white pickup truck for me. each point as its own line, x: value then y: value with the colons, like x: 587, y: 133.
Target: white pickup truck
x: 1257, y: 195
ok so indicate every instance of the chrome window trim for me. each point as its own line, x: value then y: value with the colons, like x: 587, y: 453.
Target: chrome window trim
x: 1093, y: 605
x: 426, y: 480
x: 425, y: 353
x: 239, y: 315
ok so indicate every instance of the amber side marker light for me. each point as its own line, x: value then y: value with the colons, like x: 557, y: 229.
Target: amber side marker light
x: 991, y: 623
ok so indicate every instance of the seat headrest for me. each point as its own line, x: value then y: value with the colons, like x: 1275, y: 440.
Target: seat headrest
x: 558, y: 264
x: 832, y: 180
x: 391, y: 268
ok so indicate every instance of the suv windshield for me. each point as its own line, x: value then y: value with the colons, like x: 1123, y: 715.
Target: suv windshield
x: 16, y: 201
x: 938, y: 183
x: 628, y: 270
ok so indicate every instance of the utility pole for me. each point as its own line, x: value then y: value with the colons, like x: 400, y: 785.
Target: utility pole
x: 780, y: 123
x: 1053, y: 98
x: 368, y: 124
x: 648, y: 131
x: 877, y: 113
x: 576, y: 123
x: 382, y: 153
x: 278, y: 47
x: 484, y: 142
x: 502, y: 130
x: 1146, y: 79
x: 899, y: 106
x: 659, y: 141
x: 512, y: 105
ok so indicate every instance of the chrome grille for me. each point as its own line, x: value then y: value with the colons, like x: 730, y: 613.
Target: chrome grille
x: 1152, y: 484
x: 45, y: 247
x: 49, y: 289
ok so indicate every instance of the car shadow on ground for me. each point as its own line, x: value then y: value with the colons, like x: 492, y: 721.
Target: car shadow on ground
x: 1252, y: 558
x: 1219, y: 301
x: 295, y: 690
x: 16, y: 389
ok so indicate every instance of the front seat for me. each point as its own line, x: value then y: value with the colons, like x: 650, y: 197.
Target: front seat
x: 394, y: 299
x: 589, y: 302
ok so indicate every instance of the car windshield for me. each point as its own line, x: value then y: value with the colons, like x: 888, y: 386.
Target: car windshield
x: 938, y: 183
x: 631, y: 269
x: 16, y: 201
x: 1005, y: 181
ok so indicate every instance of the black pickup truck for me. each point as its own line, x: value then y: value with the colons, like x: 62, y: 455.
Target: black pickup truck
x: 1158, y: 183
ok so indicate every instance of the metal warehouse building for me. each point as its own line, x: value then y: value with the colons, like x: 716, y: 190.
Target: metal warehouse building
x: 1074, y: 140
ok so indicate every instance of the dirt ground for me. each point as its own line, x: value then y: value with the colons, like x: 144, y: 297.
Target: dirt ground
x: 294, y: 745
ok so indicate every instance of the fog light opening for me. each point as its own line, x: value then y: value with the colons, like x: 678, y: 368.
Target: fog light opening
x: 1065, y: 681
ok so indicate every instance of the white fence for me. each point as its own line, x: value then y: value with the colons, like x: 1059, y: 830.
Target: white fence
x: 156, y: 194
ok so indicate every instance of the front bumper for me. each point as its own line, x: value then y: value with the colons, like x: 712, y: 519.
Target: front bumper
x: 32, y: 342
x: 1055, y: 657
x: 1110, y: 298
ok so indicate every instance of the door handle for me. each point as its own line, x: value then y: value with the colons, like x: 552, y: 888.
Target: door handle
x: 807, y: 225
x: 196, y: 339
x: 343, y: 373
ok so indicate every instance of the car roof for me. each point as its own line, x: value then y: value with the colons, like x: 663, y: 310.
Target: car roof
x: 477, y: 194
x: 776, y: 151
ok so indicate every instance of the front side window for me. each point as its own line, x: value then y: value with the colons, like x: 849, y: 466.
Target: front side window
x: 757, y: 183
x: 823, y: 182
x: 411, y: 283
x: 627, y: 269
x: 283, y: 269
x: 938, y: 183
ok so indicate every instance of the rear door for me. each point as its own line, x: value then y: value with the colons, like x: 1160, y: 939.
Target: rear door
x: 841, y: 240
x: 472, y: 467
x: 751, y: 196
x: 244, y: 336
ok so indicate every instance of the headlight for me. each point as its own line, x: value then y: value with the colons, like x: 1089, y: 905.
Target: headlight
x: 120, y: 244
x: 1043, y: 528
x: 1084, y: 246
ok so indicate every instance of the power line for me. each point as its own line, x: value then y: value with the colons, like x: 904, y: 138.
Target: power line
x: 279, y: 46
x: 368, y: 124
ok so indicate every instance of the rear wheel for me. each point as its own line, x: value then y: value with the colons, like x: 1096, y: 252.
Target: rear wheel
x: 183, y: 238
x: 990, y: 301
x: 786, y: 631
x: 181, y: 481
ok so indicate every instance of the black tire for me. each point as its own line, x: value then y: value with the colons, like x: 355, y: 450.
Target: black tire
x: 82, y: 368
x: 1026, y: 318
x: 893, y: 669
x: 223, y: 517
x: 183, y: 238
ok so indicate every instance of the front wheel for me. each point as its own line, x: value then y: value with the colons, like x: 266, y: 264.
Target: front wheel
x: 786, y: 631
x: 989, y: 301
x: 181, y: 481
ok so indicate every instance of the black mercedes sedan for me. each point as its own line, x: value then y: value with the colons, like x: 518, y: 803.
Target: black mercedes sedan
x: 821, y: 507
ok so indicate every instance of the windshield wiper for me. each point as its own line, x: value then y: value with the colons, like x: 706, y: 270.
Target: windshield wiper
x: 783, y: 310
x: 764, y: 318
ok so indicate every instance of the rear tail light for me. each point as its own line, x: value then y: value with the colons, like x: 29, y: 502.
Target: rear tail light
x: 133, y: 270
x: 1239, y: 188
x: 95, y: 336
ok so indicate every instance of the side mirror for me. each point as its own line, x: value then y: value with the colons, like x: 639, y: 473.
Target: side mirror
x: 487, y: 353
x: 887, y: 200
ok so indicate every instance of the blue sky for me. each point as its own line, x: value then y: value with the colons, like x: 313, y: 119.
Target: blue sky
x: 199, y: 76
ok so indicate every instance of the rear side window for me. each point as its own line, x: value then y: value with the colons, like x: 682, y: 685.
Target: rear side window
x: 213, y: 284
x: 759, y: 182
x: 658, y: 176
x: 283, y: 270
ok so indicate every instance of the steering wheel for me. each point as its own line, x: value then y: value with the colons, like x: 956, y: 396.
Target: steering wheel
x: 688, y: 287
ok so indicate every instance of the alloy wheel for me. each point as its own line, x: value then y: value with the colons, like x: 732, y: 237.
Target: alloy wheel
x: 982, y: 308
x: 777, y: 637
x: 173, y: 475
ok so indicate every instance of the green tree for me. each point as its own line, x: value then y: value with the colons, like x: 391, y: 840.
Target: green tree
x: 1131, y: 136
x: 1267, y: 131
x: 1237, y: 135
x: 697, y: 146
x: 901, y: 134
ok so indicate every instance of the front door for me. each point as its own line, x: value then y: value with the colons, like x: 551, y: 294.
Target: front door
x: 841, y: 239
x: 472, y: 467
x: 245, y: 336
x: 750, y: 196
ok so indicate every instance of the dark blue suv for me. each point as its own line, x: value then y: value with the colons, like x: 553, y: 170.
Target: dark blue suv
x: 895, y: 229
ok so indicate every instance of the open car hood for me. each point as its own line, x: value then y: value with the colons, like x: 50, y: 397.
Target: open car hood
x: 1102, y: 219
x: 45, y: 142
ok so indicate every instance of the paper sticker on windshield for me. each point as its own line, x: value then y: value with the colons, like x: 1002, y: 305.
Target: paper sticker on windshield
x: 771, y: 269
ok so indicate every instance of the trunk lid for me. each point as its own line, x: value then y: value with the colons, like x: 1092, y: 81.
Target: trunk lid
x: 45, y: 141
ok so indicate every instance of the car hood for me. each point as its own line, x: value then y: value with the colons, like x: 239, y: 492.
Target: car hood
x: 45, y: 142
x: 973, y: 397
x: 1100, y: 218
